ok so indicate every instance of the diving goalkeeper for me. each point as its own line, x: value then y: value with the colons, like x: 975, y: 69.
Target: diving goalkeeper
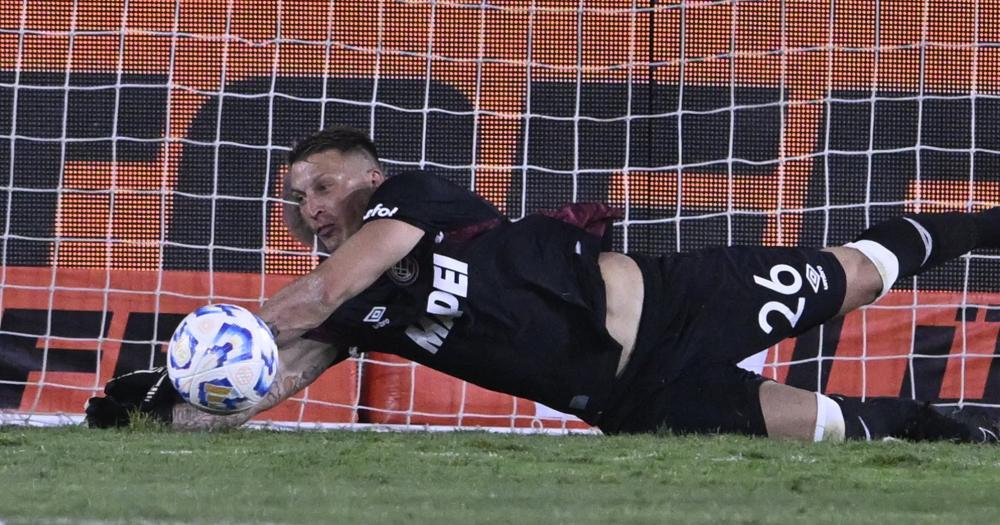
x: 541, y: 308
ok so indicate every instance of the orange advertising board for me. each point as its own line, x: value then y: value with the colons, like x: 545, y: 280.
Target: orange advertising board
x: 71, y: 330
x: 143, y: 145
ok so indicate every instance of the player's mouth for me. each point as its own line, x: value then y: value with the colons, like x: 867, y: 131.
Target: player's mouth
x: 326, y: 230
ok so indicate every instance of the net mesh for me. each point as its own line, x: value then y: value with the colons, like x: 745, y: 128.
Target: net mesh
x: 143, y: 147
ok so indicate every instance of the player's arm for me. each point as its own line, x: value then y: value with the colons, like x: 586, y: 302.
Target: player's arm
x: 301, y: 362
x: 149, y: 392
x: 309, y: 300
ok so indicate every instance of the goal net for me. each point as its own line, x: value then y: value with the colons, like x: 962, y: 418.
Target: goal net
x: 143, y: 142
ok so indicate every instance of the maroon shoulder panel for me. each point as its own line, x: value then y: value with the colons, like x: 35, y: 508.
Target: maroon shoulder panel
x: 592, y: 217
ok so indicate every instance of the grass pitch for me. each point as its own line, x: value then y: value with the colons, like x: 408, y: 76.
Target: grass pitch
x: 76, y: 475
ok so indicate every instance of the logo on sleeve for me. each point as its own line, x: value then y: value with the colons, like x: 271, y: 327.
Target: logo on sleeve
x: 380, y: 211
x: 816, y: 276
x: 375, y: 315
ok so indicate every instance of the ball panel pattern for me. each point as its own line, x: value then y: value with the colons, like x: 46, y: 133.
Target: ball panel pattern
x: 222, y: 359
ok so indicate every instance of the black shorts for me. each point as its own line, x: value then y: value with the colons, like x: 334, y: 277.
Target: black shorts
x: 705, y: 311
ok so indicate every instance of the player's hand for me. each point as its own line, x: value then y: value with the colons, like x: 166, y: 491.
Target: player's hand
x: 142, y: 391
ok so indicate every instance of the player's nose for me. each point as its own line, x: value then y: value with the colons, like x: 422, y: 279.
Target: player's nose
x: 313, y: 208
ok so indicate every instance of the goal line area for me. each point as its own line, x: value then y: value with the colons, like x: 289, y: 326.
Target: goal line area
x: 142, y: 149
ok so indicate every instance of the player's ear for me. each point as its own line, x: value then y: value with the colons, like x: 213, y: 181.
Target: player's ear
x: 377, y: 177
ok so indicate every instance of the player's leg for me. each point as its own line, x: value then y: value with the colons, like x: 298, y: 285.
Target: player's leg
x: 896, y: 248
x: 794, y: 413
x: 890, y: 250
x: 863, y: 281
x: 908, y: 245
x: 881, y: 417
x: 725, y: 304
x: 728, y: 399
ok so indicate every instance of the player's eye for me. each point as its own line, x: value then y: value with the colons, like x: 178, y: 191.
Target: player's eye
x: 298, y: 198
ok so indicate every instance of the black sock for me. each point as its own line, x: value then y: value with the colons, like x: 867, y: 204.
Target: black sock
x: 880, y: 417
x: 926, y: 240
x: 988, y: 226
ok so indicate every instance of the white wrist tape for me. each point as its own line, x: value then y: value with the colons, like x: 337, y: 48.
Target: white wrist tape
x: 829, y: 420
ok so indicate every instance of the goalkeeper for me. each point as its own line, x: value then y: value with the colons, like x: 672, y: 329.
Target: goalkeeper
x: 540, y: 308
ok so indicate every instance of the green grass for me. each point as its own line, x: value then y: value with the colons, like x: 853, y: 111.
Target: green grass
x: 76, y: 475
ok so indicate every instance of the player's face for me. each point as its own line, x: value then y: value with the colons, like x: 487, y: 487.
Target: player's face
x: 332, y: 191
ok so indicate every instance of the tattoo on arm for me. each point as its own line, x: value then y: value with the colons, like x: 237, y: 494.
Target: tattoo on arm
x: 186, y: 417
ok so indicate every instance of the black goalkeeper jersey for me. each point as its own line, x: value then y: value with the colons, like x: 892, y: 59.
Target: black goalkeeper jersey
x: 516, y: 307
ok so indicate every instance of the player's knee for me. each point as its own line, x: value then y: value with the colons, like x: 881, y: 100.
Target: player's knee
x: 872, y: 262
x: 830, y: 425
x: 868, y: 276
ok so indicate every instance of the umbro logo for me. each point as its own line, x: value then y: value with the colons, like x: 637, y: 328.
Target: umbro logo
x: 375, y: 315
x: 816, y: 277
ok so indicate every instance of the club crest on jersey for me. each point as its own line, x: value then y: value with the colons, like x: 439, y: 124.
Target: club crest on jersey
x: 380, y: 211
x: 404, y: 272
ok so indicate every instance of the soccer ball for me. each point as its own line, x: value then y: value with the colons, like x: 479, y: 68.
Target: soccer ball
x: 222, y: 359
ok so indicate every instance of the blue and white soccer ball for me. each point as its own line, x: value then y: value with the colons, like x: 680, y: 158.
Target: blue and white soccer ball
x: 222, y: 359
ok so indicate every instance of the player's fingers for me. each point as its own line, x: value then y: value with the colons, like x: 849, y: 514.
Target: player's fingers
x: 105, y: 412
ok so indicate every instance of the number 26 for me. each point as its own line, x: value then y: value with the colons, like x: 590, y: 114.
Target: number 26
x: 775, y: 284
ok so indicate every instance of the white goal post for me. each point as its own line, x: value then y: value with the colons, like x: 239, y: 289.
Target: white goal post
x: 142, y: 146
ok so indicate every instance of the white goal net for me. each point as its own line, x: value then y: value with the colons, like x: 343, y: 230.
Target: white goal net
x: 142, y: 146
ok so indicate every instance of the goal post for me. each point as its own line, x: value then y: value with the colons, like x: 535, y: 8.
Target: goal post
x: 142, y: 147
